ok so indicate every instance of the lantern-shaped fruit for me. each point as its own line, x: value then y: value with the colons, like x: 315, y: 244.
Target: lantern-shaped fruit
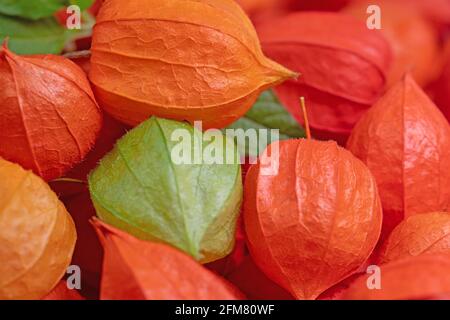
x: 37, y: 235
x: 315, y: 221
x: 50, y: 119
x: 178, y: 59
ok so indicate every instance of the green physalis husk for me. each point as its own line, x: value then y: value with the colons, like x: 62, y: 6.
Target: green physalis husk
x: 142, y: 188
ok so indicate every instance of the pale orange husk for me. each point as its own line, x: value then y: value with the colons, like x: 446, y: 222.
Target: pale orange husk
x: 178, y: 59
x: 37, y: 235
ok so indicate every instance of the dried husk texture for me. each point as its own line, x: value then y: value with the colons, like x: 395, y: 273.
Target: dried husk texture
x: 405, y: 141
x: 50, y: 119
x: 417, y: 235
x: 183, y: 60
x: 37, y: 235
x: 140, y: 270
x: 316, y: 221
x: 343, y: 67
x: 421, y: 277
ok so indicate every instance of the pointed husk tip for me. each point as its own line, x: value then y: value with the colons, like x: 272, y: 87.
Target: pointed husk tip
x: 281, y: 72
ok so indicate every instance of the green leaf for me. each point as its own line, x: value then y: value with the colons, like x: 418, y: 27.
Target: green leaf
x: 266, y: 113
x: 32, y: 37
x: 37, y: 9
x: 83, y: 4
x: 31, y: 9
x: 194, y: 207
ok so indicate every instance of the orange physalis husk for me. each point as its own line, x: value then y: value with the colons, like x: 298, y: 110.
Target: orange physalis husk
x: 414, y: 41
x: 141, y: 270
x: 405, y: 141
x: 62, y: 292
x: 177, y: 59
x: 37, y: 235
x: 342, y: 63
x: 417, y: 235
x: 50, y: 119
x: 315, y: 221
x: 421, y: 277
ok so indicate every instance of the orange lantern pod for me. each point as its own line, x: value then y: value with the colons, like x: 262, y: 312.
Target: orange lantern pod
x: 141, y: 270
x: 37, y: 235
x: 315, y: 221
x: 417, y: 235
x: 177, y: 59
x: 405, y: 141
x: 414, y: 278
x: 50, y: 119
x: 343, y: 67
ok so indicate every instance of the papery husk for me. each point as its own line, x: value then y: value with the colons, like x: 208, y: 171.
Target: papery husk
x: 178, y: 59
x: 415, y: 278
x: 316, y: 221
x: 405, y: 141
x: 417, y: 235
x: 50, y: 118
x: 140, y: 270
x: 37, y: 235
x: 343, y: 65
